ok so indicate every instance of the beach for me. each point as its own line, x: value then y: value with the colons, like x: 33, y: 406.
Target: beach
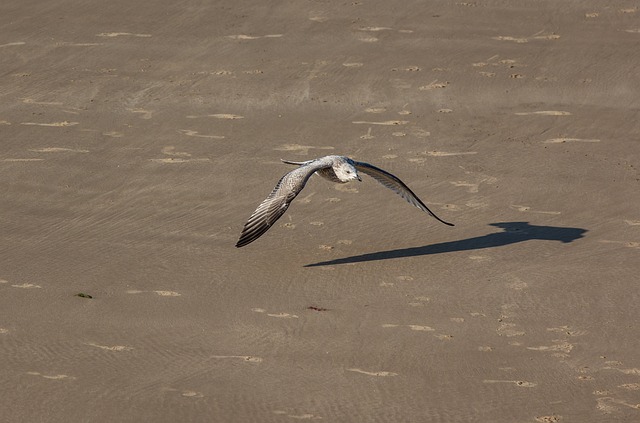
x: 138, y: 137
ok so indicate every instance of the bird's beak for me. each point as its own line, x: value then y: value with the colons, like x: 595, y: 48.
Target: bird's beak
x: 359, y: 178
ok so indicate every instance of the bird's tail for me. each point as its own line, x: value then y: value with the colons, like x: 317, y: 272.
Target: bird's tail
x: 296, y: 163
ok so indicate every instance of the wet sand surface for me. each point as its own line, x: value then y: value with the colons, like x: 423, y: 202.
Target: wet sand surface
x: 138, y: 137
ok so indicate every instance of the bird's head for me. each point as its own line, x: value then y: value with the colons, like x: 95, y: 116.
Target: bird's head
x: 346, y: 172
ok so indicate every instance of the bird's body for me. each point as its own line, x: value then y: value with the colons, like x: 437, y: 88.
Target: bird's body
x: 339, y: 169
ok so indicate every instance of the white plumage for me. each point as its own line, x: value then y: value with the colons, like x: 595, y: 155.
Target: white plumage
x: 338, y: 169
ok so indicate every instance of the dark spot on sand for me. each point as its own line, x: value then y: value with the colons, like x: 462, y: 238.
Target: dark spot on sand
x: 314, y: 308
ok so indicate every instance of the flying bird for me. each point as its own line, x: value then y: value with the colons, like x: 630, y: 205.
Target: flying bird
x: 338, y: 169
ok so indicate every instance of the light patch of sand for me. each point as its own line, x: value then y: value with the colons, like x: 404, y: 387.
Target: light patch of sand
x: 374, y: 373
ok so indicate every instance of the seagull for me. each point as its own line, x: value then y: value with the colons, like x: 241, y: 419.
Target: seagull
x: 339, y: 169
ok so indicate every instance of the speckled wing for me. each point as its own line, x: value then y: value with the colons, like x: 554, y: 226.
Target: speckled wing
x: 274, y: 206
x: 396, y: 185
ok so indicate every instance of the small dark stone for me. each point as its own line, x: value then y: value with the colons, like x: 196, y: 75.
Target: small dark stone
x: 83, y: 295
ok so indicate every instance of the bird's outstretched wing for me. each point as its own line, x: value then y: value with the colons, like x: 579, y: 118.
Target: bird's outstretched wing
x: 396, y: 185
x: 276, y: 203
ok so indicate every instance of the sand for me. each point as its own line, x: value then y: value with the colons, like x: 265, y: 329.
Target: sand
x: 137, y: 137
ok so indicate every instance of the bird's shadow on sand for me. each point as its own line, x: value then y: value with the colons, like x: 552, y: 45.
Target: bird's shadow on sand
x: 512, y: 232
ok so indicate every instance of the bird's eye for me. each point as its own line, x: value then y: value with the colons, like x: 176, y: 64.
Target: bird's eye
x: 348, y: 171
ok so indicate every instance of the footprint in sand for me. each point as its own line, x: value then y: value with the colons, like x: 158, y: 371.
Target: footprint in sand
x: 187, y: 393
x: 27, y: 286
x: 374, y: 373
x: 418, y: 328
x: 192, y: 394
x: 247, y: 358
x: 253, y: 37
x: 171, y: 151
x: 277, y: 315
x: 527, y: 209
x: 382, y: 123
x: 404, y: 278
x: 375, y: 28
x: 217, y: 116
x: 631, y: 371
x: 544, y: 113
x: 444, y: 337
x: 160, y: 293
x: 407, y: 69
x: 191, y: 133
x: 420, y: 133
x: 420, y: 301
x: 509, y: 330
x: 522, y: 40
x: 68, y: 44
x: 117, y: 348
x: 610, y: 405
x: 146, y: 114
x: 122, y: 34
x: 375, y: 110
x: 565, y: 140
x: 560, y: 349
x: 57, y: 150
x: 366, y: 38
x: 520, y: 383
x: 51, y: 377
x: 15, y: 43
x: 178, y: 160
x: 549, y: 419
x: 434, y: 85
x: 448, y: 153
x: 41, y: 103
x: 318, y: 16
x: 304, y: 416
x: 53, y: 124
x: 177, y: 156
